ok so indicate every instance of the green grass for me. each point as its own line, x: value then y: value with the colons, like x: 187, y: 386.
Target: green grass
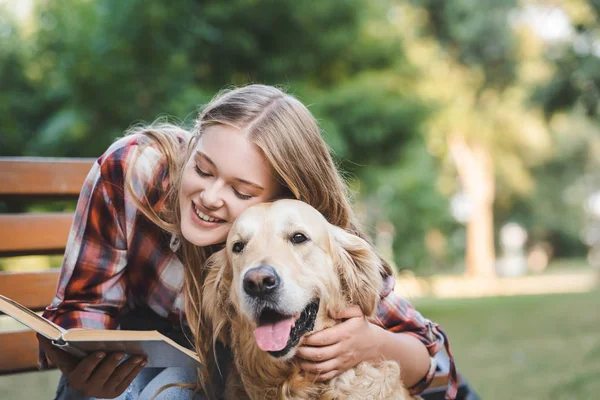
x: 524, y: 347
x: 30, y: 386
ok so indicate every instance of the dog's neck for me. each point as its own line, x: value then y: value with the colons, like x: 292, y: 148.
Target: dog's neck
x: 264, y: 376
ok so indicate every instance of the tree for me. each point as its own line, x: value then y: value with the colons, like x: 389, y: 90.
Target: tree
x: 473, y: 70
x: 571, y: 100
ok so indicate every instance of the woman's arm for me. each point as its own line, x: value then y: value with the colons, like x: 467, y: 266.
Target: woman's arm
x: 397, y: 315
x: 406, y: 350
x: 92, y: 285
x: 398, y: 332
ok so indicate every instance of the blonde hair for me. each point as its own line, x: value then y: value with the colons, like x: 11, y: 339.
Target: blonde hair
x: 290, y: 138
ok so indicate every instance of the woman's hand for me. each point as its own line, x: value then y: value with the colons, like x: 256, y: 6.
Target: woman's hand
x: 328, y: 353
x: 97, y: 375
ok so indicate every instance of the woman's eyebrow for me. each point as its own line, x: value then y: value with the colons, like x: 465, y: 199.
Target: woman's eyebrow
x: 207, y: 158
x: 255, y: 185
x: 240, y: 180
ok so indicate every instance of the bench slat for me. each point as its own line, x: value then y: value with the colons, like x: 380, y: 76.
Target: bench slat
x: 19, y: 351
x: 440, y: 379
x: 33, y: 176
x: 34, y: 290
x: 34, y: 233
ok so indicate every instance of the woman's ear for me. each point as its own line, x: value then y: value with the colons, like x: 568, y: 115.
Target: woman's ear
x: 359, y: 268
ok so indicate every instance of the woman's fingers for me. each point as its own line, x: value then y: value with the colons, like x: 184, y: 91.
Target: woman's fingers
x: 123, y: 371
x: 321, y: 377
x: 103, y: 372
x: 326, y: 337
x: 81, y: 374
x: 312, y: 353
x: 319, y: 367
x: 105, y: 376
x: 353, y: 311
x: 130, y: 377
x: 63, y: 360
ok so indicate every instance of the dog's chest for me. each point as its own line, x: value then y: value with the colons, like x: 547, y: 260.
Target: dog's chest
x: 365, y: 381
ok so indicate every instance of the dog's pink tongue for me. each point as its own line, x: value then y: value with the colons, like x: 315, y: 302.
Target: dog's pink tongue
x: 273, y: 337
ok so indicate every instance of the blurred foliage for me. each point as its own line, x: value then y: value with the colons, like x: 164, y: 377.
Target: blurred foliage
x: 390, y: 81
x: 476, y: 34
x: 97, y: 67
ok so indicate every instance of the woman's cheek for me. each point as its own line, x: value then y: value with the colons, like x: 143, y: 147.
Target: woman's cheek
x: 236, y: 212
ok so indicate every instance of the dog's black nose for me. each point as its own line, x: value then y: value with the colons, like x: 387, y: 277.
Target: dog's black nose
x: 261, y: 281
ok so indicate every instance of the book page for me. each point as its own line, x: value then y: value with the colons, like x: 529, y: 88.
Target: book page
x: 30, y: 319
x: 81, y: 334
x: 91, y: 335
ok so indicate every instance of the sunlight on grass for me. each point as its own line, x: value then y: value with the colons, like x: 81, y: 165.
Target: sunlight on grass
x: 30, y: 385
x: 524, y: 347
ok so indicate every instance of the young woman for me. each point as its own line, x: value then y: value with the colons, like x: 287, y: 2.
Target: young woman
x: 160, y: 201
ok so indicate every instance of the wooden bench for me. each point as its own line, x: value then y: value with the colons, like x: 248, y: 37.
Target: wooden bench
x: 26, y: 180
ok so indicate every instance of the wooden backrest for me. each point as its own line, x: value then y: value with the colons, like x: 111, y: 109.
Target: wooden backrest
x: 25, y: 179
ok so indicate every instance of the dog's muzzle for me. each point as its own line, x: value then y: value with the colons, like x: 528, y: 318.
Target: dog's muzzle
x: 277, y: 331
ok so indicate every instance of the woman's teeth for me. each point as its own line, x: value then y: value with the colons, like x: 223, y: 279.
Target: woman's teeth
x: 204, y: 217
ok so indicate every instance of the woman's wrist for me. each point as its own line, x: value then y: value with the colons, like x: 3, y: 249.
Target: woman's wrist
x: 408, y: 351
x: 377, y: 337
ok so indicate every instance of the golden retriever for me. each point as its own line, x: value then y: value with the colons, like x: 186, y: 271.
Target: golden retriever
x: 284, y: 270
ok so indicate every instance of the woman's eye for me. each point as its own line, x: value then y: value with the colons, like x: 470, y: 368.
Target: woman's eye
x: 242, y: 196
x: 200, y: 172
x: 298, y: 238
x: 238, y: 247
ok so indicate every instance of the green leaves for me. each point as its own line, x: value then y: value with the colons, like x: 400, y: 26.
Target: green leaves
x: 371, y: 118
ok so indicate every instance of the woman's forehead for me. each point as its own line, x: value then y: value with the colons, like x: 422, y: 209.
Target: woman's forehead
x: 230, y: 151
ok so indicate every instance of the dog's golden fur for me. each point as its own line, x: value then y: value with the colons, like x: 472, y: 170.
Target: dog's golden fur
x: 334, y: 266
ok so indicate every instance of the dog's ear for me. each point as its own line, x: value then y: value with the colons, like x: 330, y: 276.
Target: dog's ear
x: 360, y: 270
x: 215, y: 294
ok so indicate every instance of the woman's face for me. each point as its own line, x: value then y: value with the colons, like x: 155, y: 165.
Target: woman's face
x: 225, y: 175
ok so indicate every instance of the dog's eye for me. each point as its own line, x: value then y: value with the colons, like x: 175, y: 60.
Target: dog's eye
x: 238, y: 247
x: 298, y: 238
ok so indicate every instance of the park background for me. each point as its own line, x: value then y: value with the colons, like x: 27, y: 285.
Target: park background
x: 467, y: 130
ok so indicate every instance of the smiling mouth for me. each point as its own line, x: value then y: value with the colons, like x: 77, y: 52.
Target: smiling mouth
x: 204, y: 217
x: 277, y: 333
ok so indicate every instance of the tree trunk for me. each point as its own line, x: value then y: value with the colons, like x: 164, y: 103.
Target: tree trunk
x: 476, y: 171
x: 480, y: 257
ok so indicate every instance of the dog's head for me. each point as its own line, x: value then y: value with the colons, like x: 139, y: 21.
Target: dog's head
x: 285, y: 269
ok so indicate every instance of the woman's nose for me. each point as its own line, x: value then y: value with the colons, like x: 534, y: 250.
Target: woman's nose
x: 211, y: 197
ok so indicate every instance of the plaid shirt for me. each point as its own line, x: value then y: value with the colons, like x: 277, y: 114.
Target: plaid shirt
x: 397, y: 315
x: 116, y: 260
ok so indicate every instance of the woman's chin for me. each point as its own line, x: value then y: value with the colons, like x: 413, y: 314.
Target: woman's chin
x: 203, y: 237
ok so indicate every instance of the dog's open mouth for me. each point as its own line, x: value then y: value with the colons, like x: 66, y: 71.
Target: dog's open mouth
x: 277, y: 334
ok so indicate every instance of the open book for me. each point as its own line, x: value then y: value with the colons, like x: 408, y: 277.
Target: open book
x: 158, y: 349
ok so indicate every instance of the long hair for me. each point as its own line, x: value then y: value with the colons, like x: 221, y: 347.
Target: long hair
x: 290, y: 139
